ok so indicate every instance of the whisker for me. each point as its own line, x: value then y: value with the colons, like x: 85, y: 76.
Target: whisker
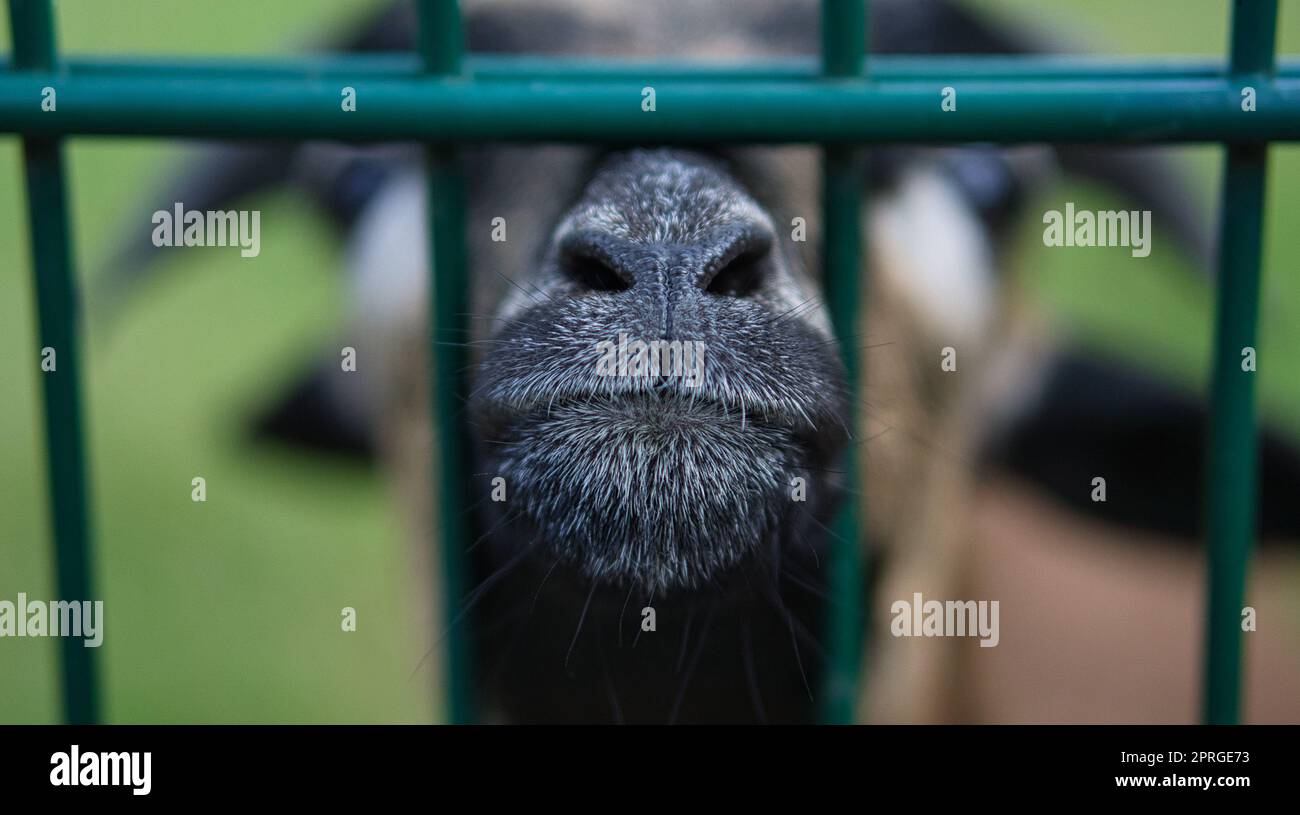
x: 695, y: 660
x: 805, y: 585
x: 751, y: 674
x: 640, y: 629
x: 615, y: 707
x: 686, y: 638
x: 505, y: 519
x: 581, y: 620
x: 626, y: 600
x: 794, y: 640
x: 542, y: 585
x: 472, y: 598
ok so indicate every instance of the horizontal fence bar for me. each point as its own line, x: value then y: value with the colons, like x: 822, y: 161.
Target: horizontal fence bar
x: 841, y: 110
x: 526, y: 68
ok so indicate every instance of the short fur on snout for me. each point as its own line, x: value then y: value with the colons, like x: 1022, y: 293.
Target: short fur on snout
x: 650, y: 480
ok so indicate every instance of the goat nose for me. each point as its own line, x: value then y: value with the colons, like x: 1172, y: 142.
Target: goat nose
x: 730, y: 263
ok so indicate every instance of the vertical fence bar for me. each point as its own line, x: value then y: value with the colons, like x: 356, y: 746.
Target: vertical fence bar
x: 441, y: 40
x: 58, y: 317
x: 1232, y: 469
x: 844, y: 30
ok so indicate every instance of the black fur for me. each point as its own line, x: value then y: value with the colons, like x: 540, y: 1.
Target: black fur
x: 638, y: 490
x: 649, y: 480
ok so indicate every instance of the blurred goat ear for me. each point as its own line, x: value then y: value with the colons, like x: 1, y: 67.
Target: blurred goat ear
x: 1095, y: 418
x: 934, y: 250
x: 314, y: 416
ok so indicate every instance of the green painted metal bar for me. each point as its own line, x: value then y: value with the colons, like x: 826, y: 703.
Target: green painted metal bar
x: 844, y: 32
x: 33, y: 32
x: 440, y: 43
x: 845, y: 111
x: 844, y: 37
x: 1232, y: 458
x: 441, y: 36
x: 519, y: 68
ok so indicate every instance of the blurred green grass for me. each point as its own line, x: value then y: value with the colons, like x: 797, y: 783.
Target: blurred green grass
x: 224, y: 611
x: 229, y: 610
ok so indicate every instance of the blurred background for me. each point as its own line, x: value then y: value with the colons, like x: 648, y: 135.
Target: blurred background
x: 228, y: 611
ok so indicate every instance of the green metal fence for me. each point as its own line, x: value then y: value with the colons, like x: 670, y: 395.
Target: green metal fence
x: 445, y: 98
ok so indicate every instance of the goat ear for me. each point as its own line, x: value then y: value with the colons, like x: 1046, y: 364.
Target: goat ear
x: 1096, y: 418
x: 933, y: 249
x: 314, y: 416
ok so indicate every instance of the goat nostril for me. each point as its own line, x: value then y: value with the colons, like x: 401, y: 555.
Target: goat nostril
x: 593, y: 274
x: 741, y: 276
